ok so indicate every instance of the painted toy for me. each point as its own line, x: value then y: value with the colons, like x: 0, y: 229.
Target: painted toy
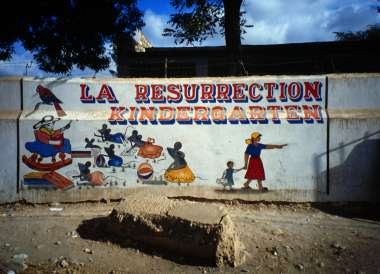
x: 84, y: 170
x: 107, y: 136
x: 144, y: 171
x: 48, y: 143
x: 114, y: 160
x: 47, y: 180
x: 90, y: 143
x: 95, y: 178
x: 149, y: 150
x: 135, y: 139
x: 100, y: 161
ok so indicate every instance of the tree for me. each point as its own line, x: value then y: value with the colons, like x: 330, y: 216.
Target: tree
x: 62, y: 34
x: 196, y: 20
x: 372, y: 33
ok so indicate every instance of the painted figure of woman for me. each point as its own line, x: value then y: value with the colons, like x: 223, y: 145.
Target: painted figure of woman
x: 178, y: 171
x: 252, y: 160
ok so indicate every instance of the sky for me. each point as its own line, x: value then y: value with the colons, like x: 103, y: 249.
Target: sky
x: 275, y: 22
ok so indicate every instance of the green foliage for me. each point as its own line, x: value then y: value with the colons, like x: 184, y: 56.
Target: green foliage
x: 62, y: 34
x: 197, y: 20
x: 372, y: 33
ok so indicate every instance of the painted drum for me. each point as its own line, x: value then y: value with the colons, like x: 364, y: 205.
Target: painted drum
x: 100, y: 161
x: 96, y: 178
x: 144, y: 171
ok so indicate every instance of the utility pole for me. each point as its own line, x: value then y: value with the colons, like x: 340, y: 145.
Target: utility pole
x: 166, y: 67
x: 27, y: 67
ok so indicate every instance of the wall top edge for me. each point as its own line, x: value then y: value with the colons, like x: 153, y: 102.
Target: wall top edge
x: 201, y: 79
x: 9, y: 114
x: 352, y: 75
x: 10, y: 78
x: 354, y: 113
x: 100, y: 79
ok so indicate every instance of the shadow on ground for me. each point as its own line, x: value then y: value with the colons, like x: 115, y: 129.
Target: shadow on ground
x: 353, y: 210
x: 96, y: 230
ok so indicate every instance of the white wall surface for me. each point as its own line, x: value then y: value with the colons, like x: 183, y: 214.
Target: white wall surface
x: 8, y: 158
x: 354, y: 111
x: 10, y: 105
x: 354, y: 91
x: 10, y: 94
x: 354, y: 159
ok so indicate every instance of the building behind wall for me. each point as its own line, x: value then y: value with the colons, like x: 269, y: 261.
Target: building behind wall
x: 139, y: 59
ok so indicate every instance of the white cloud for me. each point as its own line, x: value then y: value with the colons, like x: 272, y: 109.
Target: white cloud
x: 278, y: 21
x: 352, y: 17
x: 154, y: 26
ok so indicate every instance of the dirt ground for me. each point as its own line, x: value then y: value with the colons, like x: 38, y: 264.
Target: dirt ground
x: 279, y: 238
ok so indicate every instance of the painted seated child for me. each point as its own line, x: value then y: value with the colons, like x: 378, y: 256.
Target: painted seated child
x: 49, y: 140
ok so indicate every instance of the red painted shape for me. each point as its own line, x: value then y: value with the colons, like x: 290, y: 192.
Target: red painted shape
x: 30, y: 162
x: 59, y: 181
x: 105, y: 93
x: 59, y: 109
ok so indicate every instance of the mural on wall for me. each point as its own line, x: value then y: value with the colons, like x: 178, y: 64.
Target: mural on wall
x: 253, y: 163
x: 227, y: 179
x: 178, y: 171
x: 48, y: 98
x: 162, y: 134
x: 49, y: 142
x: 109, y: 154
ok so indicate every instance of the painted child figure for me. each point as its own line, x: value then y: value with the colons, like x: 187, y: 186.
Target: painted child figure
x: 228, y: 175
x: 254, y: 167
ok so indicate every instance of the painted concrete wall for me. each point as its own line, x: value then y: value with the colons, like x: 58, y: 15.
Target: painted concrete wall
x: 354, y: 110
x: 353, y: 91
x: 297, y: 172
x: 10, y: 105
x: 10, y: 94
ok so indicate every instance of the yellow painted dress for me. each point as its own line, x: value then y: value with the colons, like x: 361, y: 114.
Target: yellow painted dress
x: 183, y: 175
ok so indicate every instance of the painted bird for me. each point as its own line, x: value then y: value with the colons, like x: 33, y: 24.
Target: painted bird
x: 48, y: 98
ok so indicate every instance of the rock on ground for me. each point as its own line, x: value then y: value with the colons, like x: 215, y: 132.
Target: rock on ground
x: 183, y: 228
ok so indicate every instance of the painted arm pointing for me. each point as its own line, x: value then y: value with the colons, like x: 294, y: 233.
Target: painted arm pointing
x: 275, y: 146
